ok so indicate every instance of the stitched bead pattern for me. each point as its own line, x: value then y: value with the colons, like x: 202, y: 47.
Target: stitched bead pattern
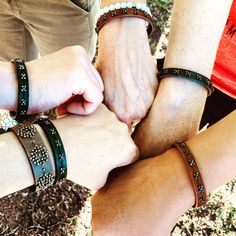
x: 23, y: 89
x: 187, y: 74
x: 125, y: 9
x: 57, y: 147
x: 37, y: 153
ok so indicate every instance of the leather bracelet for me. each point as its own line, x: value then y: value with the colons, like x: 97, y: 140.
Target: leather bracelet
x: 125, y: 12
x: 23, y: 89
x: 194, y: 173
x: 37, y: 153
x: 187, y: 74
x: 56, y: 145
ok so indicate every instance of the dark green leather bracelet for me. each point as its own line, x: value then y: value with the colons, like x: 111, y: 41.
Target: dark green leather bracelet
x: 57, y: 147
x: 187, y: 74
x: 37, y: 153
x: 23, y: 89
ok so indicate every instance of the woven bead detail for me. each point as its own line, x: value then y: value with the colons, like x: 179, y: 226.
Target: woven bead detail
x: 39, y: 155
x: 26, y: 131
x: 45, y: 180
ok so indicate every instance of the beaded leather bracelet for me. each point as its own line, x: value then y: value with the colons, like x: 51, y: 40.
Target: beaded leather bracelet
x: 119, y: 11
x: 187, y: 74
x: 37, y: 153
x: 23, y: 89
x: 57, y: 147
x: 194, y: 173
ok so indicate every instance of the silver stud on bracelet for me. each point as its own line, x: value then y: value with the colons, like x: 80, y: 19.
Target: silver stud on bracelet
x: 45, y: 181
x: 26, y: 131
x: 39, y: 155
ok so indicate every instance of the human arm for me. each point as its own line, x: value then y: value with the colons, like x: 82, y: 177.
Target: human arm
x: 195, y: 32
x: 89, y: 143
x: 53, y: 81
x: 126, y: 66
x: 148, y: 197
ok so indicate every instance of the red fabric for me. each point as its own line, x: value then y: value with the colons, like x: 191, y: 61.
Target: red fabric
x: 224, y: 72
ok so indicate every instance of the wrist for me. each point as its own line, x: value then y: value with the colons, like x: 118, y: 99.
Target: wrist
x: 179, y: 90
x: 124, y: 27
x: 178, y: 188
x: 9, y: 90
x: 70, y: 151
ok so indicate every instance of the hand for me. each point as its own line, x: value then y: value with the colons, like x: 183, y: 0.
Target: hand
x: 175, y: 114
x: 95, y: 145
x: 127, y: 68
x: 66, y: 79
x: 146, y: 198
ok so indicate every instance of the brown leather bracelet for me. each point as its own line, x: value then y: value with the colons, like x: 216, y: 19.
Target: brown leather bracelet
x: 125, y: 12
x: 194, y: 173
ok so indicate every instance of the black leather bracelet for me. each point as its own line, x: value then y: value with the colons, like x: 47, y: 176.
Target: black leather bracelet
x: 23, y: 89
x: 57, y: 147
x: 187, y: 74
x: 37, y: 153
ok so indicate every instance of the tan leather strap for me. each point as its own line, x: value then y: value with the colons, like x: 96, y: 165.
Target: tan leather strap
x: 125, y: 12
x: 194, y: 173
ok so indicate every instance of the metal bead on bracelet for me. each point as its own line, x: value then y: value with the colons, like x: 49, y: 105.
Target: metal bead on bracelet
x: 37, y: 153
x: 56, y: 146
x: 194, y: 173
x: 23, y: 89
x: 124, y: 9
x: 187, y: 74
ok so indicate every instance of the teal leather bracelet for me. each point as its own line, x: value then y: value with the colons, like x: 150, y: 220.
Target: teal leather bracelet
x: 56, y: 146
x: 23, y: 89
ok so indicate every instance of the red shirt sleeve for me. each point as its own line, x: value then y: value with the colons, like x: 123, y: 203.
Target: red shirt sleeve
x: 224, y: 72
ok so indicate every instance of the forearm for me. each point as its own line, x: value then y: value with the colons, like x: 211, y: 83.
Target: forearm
x: 177, y: 109
x: 124, y: 40
x: 196, y: 29
x: 214, y: 151
x: 8, y: 88
x: 16, y: 173
x: 167, y: 192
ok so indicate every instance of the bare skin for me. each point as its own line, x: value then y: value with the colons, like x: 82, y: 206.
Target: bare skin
x: 148, y: 197
x: 126, y: 67
x: 65, y: 79
x: 196, y: 30
x: 89, y: 144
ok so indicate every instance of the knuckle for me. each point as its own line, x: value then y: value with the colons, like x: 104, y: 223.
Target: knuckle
x: 134, y: 152
x: 126, y: 117
x: 98, y: 185
x: 101, y: 97
x: 78, y: 55
x: 131, y: 155
x: 78, y: 49
x: 142, y: 113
